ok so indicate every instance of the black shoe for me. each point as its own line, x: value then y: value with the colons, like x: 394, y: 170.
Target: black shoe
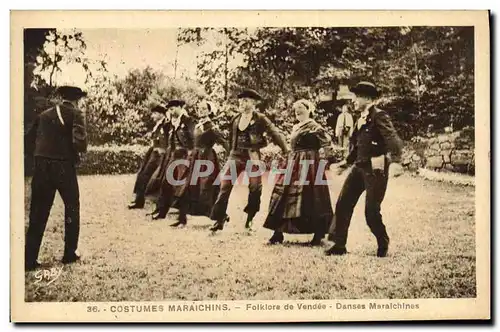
x: 159, y: 215
x: 382, y: 251
x: 135, y: 206
x: 152, y: 213
x: 180, y: 222
x: 32, y: 266
x: 383, y: 247
x: 276, y: 238
x: 336, y: 251
x: 249, y: 224
x: 70, y: 259
x: 219, y: 225
x: 317, y: 240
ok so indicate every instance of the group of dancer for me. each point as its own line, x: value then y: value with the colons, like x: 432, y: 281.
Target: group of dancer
x: 181, y: 168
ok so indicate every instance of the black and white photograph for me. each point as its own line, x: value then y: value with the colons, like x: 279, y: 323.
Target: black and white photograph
x: 241, y: 172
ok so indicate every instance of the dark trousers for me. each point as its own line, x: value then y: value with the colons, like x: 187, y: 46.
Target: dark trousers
x: 50, y: 176
x: 240, y: 159
x: 361, y: 178
x: 183, y: 206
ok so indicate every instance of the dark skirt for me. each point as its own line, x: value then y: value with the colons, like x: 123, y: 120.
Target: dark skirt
x: 300, y: 208
x: 151, y: 162
x: 154, y: 183
x: 200, y: 193
x: 162, y: 187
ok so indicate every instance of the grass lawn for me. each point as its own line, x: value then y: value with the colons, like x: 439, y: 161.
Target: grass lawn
x: 128, y: 257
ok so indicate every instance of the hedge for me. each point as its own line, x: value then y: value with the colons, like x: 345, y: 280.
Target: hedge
x: 112, y: 159
x: 126, y: 159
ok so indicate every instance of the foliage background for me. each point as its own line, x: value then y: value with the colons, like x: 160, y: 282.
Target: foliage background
x: 426, y: 75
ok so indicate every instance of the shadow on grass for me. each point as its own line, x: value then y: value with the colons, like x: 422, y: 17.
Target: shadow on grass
x: 204, y: 227
x: 303, y: 244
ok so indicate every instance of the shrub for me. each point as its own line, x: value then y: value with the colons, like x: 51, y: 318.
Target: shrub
x: 111, y: 159
x: 126, y: 159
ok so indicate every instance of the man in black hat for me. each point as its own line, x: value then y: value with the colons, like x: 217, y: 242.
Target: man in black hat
x: 246, y: 139
x: 374, y: 146
x: 180, y: 144
x: 56, y: 138
x: 153, y: 156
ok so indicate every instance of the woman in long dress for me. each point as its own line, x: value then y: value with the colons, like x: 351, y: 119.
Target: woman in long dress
x: 198, y: 193
x: 299, y: 203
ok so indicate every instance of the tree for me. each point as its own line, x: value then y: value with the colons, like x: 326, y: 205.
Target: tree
x: 63, y: 47
x: 118, y: 109
x: 214, y: 70
x: 424, y: 73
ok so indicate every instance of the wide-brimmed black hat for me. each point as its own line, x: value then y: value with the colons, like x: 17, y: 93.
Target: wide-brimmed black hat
x: 365, y: 89
x: 159, y: 109
x: 175, y: 103
x: 249, y: 93
x: 70, y: 92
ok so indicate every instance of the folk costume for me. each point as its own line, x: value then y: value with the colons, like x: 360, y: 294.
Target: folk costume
x: 151, y: 161
x: 245, y: 143
x: 300, y: 203
x: 56, y: 138
x: 199, y: 193
x: 180, y: 144
x: 374, y: 141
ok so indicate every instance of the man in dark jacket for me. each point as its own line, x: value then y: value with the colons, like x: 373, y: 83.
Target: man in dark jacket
x: 55, y: 139
x: 180, y: 144
x: 153, y: 157
x: 374, y: 146
x: 246, y: 139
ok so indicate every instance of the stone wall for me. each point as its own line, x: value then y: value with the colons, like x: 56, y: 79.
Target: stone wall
x: 452, y: 152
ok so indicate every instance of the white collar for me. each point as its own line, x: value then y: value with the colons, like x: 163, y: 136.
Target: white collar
x: 183, y: 113
x: 365, y: 113
x: 300, y: 124
x: 177, y: 121
x: 159, y: 123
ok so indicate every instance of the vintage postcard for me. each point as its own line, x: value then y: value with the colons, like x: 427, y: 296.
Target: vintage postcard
x: 250, y: 166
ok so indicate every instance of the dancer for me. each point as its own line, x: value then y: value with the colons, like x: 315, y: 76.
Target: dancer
x: 198, y: 193
x: 246, y: 140
x: 153, y: 158
x: 300, y: 203
x: 180, y: 144
x: 374, y: 146
x: 56, y: 138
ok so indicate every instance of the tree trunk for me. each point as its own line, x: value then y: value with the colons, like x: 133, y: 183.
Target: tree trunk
x: 417, y: 82
x: 226, y: 61
x: 54, y: 64
x: 176, y: 53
